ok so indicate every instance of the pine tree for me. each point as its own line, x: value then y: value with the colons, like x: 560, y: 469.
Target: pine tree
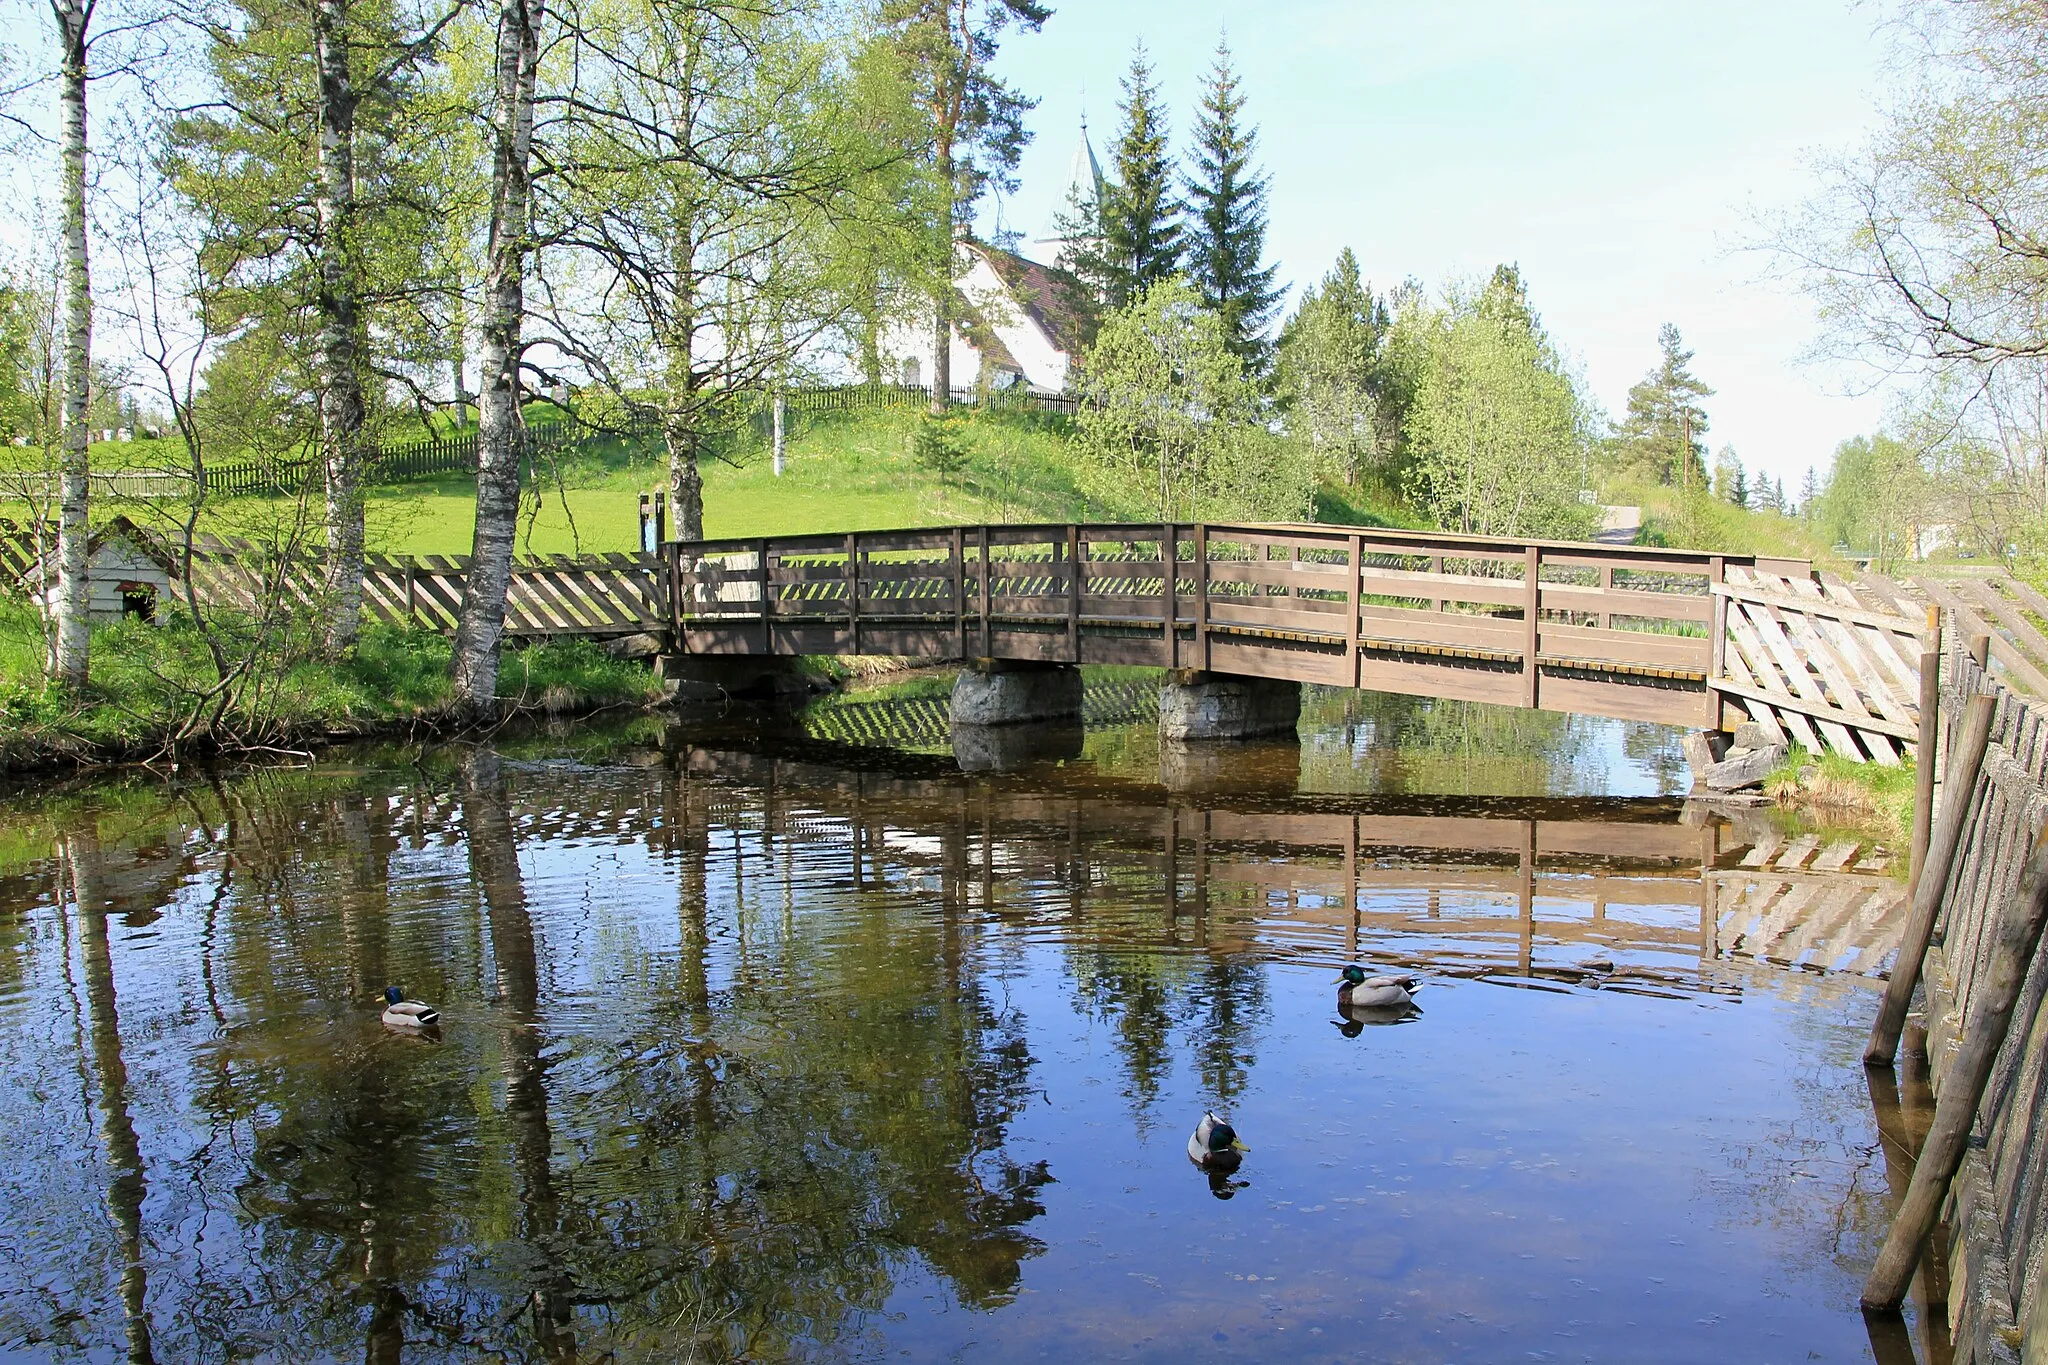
x: 976, y: 125
x: 1227, y: 204
x: 1661, y: 438
x: 1809, y: 489
x: 1131, y: 240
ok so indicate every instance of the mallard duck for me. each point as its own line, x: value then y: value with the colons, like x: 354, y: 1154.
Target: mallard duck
x: 400, y: 1012
x: 1357, y: 991
x: 1214, y: 1146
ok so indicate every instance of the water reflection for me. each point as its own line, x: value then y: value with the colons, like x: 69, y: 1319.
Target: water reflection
x: 754, y: 1051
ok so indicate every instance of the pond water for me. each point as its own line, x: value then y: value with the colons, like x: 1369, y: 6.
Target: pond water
x: 765, y: 1040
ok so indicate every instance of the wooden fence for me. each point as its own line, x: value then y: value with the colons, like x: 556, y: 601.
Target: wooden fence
x: 1824, y: 663
x: 1998, y: 1220
x: 2003, y: 612
x: 549, y: 595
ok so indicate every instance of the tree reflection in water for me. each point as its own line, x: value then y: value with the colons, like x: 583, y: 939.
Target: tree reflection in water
x: 735, y: 1053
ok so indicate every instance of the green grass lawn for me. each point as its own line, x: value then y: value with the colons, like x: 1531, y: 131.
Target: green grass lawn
x: 852, y: 471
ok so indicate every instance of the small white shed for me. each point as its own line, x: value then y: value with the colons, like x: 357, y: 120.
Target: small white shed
x: 128, y: 573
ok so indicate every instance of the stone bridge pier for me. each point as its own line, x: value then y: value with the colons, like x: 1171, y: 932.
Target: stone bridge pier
x: 1194, y: 705
x: 1011, y: 692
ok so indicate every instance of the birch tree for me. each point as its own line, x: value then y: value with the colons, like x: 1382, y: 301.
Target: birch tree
x: 690, y: 215
x: 481, y: 623
x: 71, y: 641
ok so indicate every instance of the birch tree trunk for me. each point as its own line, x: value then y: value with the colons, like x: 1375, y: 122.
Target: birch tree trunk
x: 71, y: 642
x: 942, y: 312
x: 339, y: 359
x: 482, y: 620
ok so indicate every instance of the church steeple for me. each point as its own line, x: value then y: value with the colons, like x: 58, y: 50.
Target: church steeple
x: 1083, y: 188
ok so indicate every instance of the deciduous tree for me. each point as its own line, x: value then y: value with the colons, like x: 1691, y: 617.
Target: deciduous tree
x: 1169, y: 418
x: 1499, y: 430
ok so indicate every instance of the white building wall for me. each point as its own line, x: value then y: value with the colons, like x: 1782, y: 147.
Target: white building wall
x: 904, y: 344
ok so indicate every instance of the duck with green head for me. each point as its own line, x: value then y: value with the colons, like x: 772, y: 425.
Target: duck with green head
x: 1214, y: 1145
x: 1358, y: 993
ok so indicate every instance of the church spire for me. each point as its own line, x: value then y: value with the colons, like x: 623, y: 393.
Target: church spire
x: 1083, y: 189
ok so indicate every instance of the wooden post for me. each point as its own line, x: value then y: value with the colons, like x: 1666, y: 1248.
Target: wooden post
x: 1169, y: 570
x: 1073, y: 593
x: 1532, y: 612
x: 1980, y: 650
x: 1202, y: 595
x: 761, y: 583
x: 411, y: 596
x: 956, y: 565
x: 1964, y: 764
x: 1606, y: 618
x: 1717, y: 638
x: 987, y: 639
x: 1436, y: 566
x: 1930, y: 712
x: 2017, y: 935
x: 853, y: 592
x: 660, y: 516
x: 1355, y: 630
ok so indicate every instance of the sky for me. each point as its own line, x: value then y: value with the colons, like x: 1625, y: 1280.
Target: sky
x: 1627, y: 154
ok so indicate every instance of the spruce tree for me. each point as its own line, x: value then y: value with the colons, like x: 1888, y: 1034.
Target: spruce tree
x: 1131, y: 240
x: 1227, y: 213
x: 1329, y: 375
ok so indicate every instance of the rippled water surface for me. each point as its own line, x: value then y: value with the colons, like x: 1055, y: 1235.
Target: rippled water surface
x: 764, y: 1041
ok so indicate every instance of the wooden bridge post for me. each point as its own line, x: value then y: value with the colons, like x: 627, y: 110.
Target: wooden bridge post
x: 1169, y: 573
x: 987, y: 638
x: 956, y: 565
x: 1717, y: 639
x: 761, y: 580
x: 1355, y: 630
x: 1927, y: 749
x: 853, y: 592
x: 1532, y: 612
x: 1073, y: 593
x: 1202, y: 595
x: 1606, y: 586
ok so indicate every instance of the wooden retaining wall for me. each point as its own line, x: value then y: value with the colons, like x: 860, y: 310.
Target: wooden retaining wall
x: 1998, y: 1210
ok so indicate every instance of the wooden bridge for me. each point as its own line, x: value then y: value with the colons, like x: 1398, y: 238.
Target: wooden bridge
x: 1679, y: 637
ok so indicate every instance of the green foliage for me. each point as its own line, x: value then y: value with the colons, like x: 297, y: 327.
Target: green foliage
x: 1662, y: 438
x: 1874, y: 499
x: 1170, y: 421
x: 1227, y: 218
x: 1133, y: 238
x: 1499, y: 432
x: 1342, y: 398
x: 936, y: 447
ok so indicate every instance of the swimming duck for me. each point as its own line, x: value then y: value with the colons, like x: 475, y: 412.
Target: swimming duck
x: 1214, y: 1145
x: 400, y: 1012
x: 1357, y: 991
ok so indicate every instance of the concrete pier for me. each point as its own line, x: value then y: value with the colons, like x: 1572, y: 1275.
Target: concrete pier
x: 995, y: 692
x: 1198, y: 706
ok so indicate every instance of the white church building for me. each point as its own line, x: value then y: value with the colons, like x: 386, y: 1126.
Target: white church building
x: 1020, y: 326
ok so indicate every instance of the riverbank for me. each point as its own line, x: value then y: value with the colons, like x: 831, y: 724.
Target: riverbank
x: 1832, y: 790
x: 156, y: 693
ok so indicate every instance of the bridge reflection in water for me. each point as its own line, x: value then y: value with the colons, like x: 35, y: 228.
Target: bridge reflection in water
x: 1529, y: 891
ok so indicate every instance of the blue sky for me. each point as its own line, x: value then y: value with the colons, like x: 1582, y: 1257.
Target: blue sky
x: 1622, y: 153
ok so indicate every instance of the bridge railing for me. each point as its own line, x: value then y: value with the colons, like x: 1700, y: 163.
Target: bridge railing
x: 1532, y: 623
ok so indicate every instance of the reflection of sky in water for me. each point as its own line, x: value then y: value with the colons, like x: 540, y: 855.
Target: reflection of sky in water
x: 892, y: 1106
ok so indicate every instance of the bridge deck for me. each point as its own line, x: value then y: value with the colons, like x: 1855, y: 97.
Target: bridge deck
x: 1602, y: 630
